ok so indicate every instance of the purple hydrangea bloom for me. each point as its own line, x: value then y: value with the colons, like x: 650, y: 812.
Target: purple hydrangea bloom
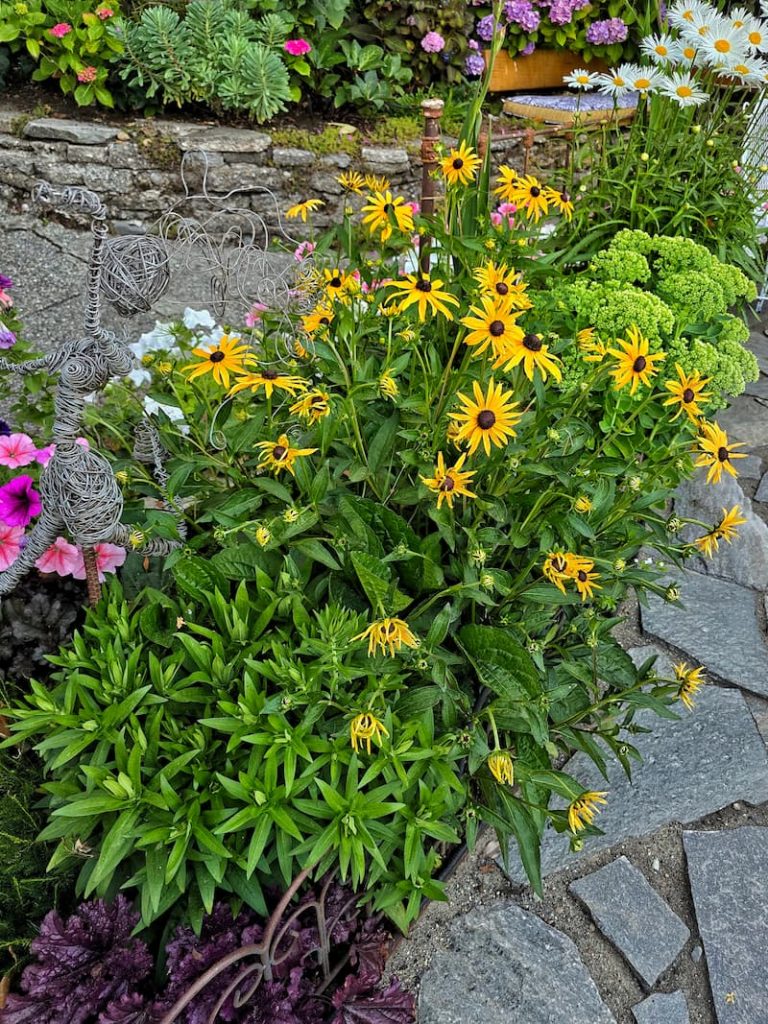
x: 561, y: 12
x: 602, y: 33
x: 528, y: 49
x: 473, y: 44
x: 486, y: 27
x: 7, y: 338
x: 474, y: 65
x: 5, y: 282
x: 522, y: 13
x: 432, y: 42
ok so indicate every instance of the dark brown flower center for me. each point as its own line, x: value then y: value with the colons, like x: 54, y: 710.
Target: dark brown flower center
x: 279, y: 452
x: 723, y: 455
x: 535, y: 192
x: 448, y: 484
x: 317, y: 401
x: 501, y: 288
x: 486, y: 419
x: 269, y: 374
x: 565, y: 197
x: 325, y: 320
x: 582, y: 576
x: 532, y: 342
x: 688, y: 395
x: 639, y: 364
x: 391, y: 629
x: 424, y: 285
x: 458, y: 163
x: 559, y: 564
x: 217, y: 356
x: 496, y: 328
x: 388, y: 207
x: 335, y: 282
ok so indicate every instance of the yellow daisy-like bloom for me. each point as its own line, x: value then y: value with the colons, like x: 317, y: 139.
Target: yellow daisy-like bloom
x: 388, y: 385
x: 460, y: 166
x: 320, y: 318
x: 531, y: 351
x: 377, y: 183
x: 449, y: 482
x: 634, y: 362
x: 263, y: 536
x: 312, y: 406
x: 364, y: 728
x: 389, y: 635
x: 352, y: 181
x: 304, y: 209
x: 270, y: 380
x: 592, y: 350
x: 561, y: 201
x: 385, y: 213
x: 279, y: 455
x: 492, y: 325
x: 340, y: 285
x: 501, y: 768
x: 687, y: 392
x: 489, y: 418
x: 583, y: 504
x: 220, y: 359
x: 724, y: 530
x: 290, y: 515
x: 584, y: 579
x: 529, y: 194
x: 717, y: 452
x: 419, y: 289
x: 560, y: 566
x: 503, y: 283
x: 582, y: 810
x: 507, y: 180
x: 690, y: 680
x: 407, y: 334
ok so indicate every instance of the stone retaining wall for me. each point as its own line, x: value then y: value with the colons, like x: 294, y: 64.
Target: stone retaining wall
x: 136, y: 167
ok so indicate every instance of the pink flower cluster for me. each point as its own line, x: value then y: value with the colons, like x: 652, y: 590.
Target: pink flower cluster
x: 504, y: 211
x: 87, y: 74
x: 5, y: 284
x: 433, y: 42
x: 60, y: 30
x: 105, y: 12
x: 303, y: 250
x: 297, y: 47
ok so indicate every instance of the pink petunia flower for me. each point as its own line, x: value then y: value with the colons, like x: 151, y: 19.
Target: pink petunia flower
x: 297, y: 47
x: 61, y: 558
x: 109, y: 557
x: 253, y: 316
x: 19, y: 502
x: 44, y: 455
x: 10, y: 545
x: 17, y: 450
x: 5, y: 299
x: 60, y: 30
x: 303, y: 250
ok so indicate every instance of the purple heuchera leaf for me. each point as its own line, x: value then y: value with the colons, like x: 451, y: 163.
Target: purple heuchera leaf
x: 356, y: 1004
x: 369, y: 952
x: 82, y: 964
x: 129, y: 1009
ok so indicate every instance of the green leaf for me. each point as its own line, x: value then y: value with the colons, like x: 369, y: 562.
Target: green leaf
x: 374, y: 575
x: 318, y: 552
x: 501, y: 663
x: 382, y: 446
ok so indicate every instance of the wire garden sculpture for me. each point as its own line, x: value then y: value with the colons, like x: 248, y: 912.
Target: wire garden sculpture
x: 78, y: 489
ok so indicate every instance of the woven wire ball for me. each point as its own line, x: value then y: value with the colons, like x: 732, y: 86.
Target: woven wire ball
x: 135, y: 273
x: 80, y: 485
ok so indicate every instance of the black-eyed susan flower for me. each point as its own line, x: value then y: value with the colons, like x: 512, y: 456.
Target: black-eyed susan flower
x: 584, y: 580
x: 503, y: 283
x: 219, y: 359
x: 502, y: 768
x: 389, y: 635
x: 388, y: 385
x: 320, y: 318
x: 561, y: 200
x: 304, y: 209
x: 377, y: 183
x: 447, y: 483
x: 634, y: 363
x: 531, y: 351
x: 313, y: 406
x: 425, y: 293
x: 716, y: 451
x: 364, y: 728
x: 528, y: 194
x: 279, y: 455
x: 583, y: 504
x: 384, y: 213
x: 340, y: 285
x: 352, y: 181
x: 560, y: 566
x: 689, y: 680
x: 507, y: 179
x: 492, y: 324
x: 263, y: 536
x: 724, y: 530
x: 687, y: 392
x: 269, y: 379
x: 488, y: 419
x: 592, y: 349
x: 582, y: 810
x: 460, y: 166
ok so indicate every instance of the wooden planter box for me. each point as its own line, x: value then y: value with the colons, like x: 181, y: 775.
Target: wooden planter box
x: 542, y: 69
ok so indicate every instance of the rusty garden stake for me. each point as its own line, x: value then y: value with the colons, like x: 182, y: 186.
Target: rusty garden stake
x: 432, y: 111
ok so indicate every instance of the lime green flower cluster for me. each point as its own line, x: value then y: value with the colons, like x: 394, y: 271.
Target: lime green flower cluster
x: 723, y: 359
x: 622, y: 266
x: 613, y: 308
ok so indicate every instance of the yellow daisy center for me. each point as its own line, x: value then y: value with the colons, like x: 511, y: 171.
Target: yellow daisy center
x: 684, y: 91
x: 722, y: 46
x: 618, y: 80
x: 583, y: 79
x: 661, y: 50
x: 642, y: 83
x: 755, y: 38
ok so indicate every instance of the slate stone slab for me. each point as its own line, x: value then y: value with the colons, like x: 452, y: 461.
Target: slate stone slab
x: 745, y: 420
x: 751, y: 468
x: 629, y: 912
x: 662, y: 1008
x: 758, y: 388
x: 227, y: 140
x: 85, y: 133
x: 758, y: 343
x: 505, y: 965
x: 729, y: 883
x: 663, y: 666
x: 761, y: 494
x: 699, y: 764
x: 716, y: 624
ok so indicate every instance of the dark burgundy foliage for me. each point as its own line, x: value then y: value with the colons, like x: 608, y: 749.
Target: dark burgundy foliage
x: 89, y: 971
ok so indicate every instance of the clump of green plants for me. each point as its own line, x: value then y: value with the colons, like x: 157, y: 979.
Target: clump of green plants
x: 323, y: 143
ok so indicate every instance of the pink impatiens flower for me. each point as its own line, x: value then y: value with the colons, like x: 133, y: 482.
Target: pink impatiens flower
x: 109, y: 557
x: 17, y: 450
x: 60, y: 30
x: 10, y: 545
x: 19, y: 502
x: 297, y: 47
x: 61, y: 558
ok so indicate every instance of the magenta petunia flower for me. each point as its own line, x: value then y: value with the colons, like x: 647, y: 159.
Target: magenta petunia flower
x: 109, y: 557
x: 19, y: 502
x: 10, y: 545
x: 61, y: 558
x: 17, y: 450
x: 433, y: 42
x: 297, y: 47
x: 60, y: 30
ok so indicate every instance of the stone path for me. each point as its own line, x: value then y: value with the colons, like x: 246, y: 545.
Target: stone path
x: 668, y: 910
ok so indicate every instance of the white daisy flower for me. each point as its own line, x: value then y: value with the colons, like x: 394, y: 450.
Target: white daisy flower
x: 682, y: 88
x: 757, y: 35
x: 739, y: 16
x: 688, y: 52
x: 682, y: 14
x: 700, y: 26
x: 640, y: 79
x: 580, y: 78
x: 724, y: 44
x: 749, y: 69
x: 616, y: 82
x: 660, y: 48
